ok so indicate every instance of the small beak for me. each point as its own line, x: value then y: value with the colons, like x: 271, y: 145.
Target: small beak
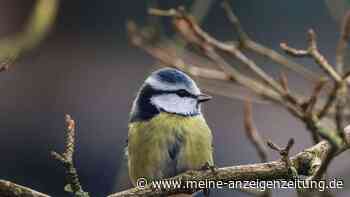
x: 203, y: 97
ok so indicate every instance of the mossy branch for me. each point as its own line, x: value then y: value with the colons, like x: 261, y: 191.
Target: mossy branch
x: 9, y: 189
x: 304, y: 162
x: 66, y: 159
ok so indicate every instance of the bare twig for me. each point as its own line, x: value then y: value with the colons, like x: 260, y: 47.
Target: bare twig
x: 252, y: 132
x: 313, y: 52
x: 274, y: 91
x: 311, y: 103
x: 227, y: 73
x: 343, y: 89
x: 341, y: 104
x: 195, y: 35
x: 66, y: 158
x: 294, y: 52
x: 284, y: 152
x: 343, y: 42
x: 247, y: 43
x: 329, y: 103
x: 165, y: 55
x: 255, y: 139
x: 284, y: 82
x: 243, y: 36
x: 320, y: 59
x: 9, y: 189
x: 338, y: 95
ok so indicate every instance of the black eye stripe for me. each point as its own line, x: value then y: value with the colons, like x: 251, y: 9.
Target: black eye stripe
x: 180, y: 93
x: 183, y: 93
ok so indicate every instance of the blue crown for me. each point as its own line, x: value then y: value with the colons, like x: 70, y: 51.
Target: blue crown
x: 172, y: 79
x: 173, y: 76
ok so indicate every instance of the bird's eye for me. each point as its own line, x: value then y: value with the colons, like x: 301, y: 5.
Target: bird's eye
x: 182, y: 93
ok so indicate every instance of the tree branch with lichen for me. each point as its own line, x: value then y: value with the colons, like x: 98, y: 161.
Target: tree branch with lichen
x: 304, y: 162
x: 9, y: 189
x: 256, y: 140
x: 66, y: 159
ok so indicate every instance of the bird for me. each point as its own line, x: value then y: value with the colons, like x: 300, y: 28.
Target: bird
x: 168, y: 133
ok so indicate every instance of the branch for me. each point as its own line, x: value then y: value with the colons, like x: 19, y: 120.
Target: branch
x: 304, y: 162
x: 329, y: 103
x: 66, y: 159
x: 191, y: 31
x: 313, y: 52
x: 256, y: 140
x: 284, y: 152
x: 274, y: 91
x: 252, y: 132
x: 311, y: 103
x: 9, y: 189
x: 343, y: 42
x: 343, y: 89
x: 338, y: 95
x: 195, y: 67
x: 195, y: 35
x: 246, y: 42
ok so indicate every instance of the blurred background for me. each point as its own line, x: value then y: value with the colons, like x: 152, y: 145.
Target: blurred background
x: 87, y: 68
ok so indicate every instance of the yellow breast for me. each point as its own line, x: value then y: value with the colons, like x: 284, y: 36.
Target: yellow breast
x: 167, y: 145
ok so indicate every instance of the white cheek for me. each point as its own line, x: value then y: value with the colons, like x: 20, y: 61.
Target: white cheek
x: 172, y: 103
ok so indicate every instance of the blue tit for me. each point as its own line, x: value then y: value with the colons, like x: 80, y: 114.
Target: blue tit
x: 168, y: 134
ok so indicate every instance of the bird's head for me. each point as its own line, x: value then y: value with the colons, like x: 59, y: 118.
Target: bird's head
x: 168, y: 90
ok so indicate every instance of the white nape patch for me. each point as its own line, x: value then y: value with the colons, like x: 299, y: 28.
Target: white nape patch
x: 162, y: 85
x: 172, y: 103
